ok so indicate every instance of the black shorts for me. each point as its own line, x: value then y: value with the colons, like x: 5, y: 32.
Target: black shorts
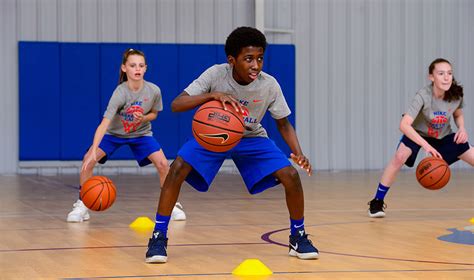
x: 449, y: 150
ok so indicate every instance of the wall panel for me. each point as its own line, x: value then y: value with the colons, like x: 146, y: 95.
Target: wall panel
x: 373, y: 62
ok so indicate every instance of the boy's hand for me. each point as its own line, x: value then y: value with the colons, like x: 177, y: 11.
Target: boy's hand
x: 303, y: 162
x: 228, y: 98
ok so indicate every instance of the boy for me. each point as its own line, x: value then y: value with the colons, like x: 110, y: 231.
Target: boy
x: 240, y: 84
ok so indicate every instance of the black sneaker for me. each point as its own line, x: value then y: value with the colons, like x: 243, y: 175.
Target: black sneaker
x: 302, y: 248
x: 376, y: 208
x: 157, y: 248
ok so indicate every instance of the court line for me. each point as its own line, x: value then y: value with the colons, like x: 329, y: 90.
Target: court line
x: 266, y: 237
x: 127, y: 246
x: 278, y: 273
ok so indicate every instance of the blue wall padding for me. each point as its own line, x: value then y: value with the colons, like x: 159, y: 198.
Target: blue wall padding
x: 40, y: 101
x: 63, y: 97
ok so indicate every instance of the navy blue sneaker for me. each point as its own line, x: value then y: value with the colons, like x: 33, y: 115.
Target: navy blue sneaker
x: 157, y: 248
x: 301, y: 247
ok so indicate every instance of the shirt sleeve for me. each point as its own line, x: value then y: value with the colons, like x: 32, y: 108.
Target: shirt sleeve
x: 415, y: 106
x: 279, y: 108
x: 116, y: 102
x: 203, y: 83
x: 158, y: 103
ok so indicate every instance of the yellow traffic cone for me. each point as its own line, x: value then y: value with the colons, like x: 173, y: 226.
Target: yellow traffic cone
x: 142, y: 224
x: 251, y: 267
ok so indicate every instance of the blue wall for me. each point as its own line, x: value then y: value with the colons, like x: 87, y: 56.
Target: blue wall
x: 65, y: 88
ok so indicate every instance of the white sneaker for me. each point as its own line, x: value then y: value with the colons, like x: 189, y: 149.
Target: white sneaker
x: 178, y: 213
x: 79, y: 213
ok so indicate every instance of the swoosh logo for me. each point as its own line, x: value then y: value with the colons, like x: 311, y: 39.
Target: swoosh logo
x: 298, y: 226
x: 294, y: 247
x: 257, y: 100
x: 223, y: 136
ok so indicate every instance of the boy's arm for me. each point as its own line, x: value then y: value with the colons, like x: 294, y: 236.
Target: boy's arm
x: 289, y: 135
x: 185, y: 102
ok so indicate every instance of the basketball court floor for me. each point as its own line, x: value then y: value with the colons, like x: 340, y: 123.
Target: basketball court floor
x: 426, y: 234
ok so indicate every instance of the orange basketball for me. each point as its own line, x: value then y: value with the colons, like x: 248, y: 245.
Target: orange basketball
x: 216, y: 129
x: 98, y: 193
x: 433, y: 173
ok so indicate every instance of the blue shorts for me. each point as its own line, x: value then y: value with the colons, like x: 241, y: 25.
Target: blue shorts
x: 256, y: 158
x: 141, y: 147
x: 449, y: 150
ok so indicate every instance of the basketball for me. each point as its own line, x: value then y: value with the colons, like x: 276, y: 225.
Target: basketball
x: 215, y: 129
x: 433, y: 173
x: 98, y: 193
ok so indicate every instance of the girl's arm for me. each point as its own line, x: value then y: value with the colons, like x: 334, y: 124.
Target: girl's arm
x: 99, y: 134
x: 407, y: 129
x: 461, y: 135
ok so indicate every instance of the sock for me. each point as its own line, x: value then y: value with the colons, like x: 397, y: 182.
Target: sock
x: 381, y: 192
x: 297, y: 227
x: 161, y: 223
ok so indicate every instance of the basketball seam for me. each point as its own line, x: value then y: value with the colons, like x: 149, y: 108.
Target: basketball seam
x: 208, y: 124
x: 421, y: 178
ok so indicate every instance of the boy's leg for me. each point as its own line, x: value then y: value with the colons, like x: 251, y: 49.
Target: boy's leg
x: 300, y: 246
x: 169, y: 195
x: 160, y: 162
x: 290, y: 179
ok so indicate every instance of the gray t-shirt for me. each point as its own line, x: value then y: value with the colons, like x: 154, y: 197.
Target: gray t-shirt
x: 124, y: 103
x: 261, y: 95
x: 432, y: 117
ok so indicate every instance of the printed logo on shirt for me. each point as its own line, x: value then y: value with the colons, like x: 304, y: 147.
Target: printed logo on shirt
x: 128, y: 120
x: 247, y: 117
x: 437, y: 123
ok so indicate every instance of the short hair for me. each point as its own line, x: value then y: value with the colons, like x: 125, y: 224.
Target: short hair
x: 242, y: 37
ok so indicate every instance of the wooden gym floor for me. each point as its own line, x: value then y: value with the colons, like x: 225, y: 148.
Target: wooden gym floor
x: 227, y: 226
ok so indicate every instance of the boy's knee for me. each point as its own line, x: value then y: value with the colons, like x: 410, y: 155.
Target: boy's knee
x: 291, y: 173
x: 178, y: 169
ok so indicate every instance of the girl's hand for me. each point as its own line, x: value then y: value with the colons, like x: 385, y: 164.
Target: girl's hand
x: 430, y: 150
x: 89, y: 158
x: 461, y: 136
x: 138, y: 117
x: 303, y: 162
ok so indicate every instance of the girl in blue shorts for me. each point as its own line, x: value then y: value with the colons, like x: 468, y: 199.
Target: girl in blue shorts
x: 133, y: 105
x: 426, y: 125
x: 242, y: 84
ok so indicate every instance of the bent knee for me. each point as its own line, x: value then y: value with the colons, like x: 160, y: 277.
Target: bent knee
x: 179, y: 169
x: 400, y: 158
x: 290, y: 172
